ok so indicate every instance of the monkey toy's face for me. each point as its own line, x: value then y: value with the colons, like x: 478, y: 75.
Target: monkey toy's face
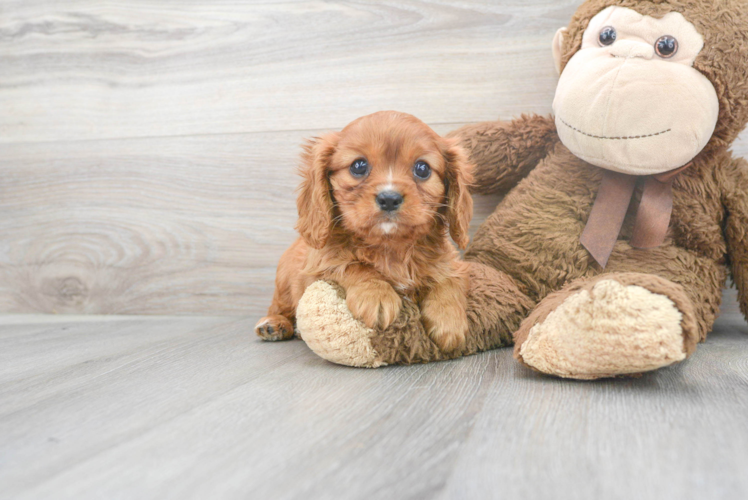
x: 630, y: 100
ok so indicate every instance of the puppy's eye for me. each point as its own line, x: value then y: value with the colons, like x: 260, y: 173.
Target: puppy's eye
x: 607, y: 36
x: 666, y: 46
x: 359, y: 168
x: 421, y: 170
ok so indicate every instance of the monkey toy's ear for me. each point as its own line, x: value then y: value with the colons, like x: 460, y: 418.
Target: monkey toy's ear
x: 558, y: 48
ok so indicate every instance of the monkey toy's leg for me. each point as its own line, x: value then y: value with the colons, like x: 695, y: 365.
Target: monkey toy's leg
x: 648, y: 310
x: 495, y: 309
x: 734, y: 181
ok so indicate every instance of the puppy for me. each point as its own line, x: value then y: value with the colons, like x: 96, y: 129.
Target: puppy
x: 376, y: 204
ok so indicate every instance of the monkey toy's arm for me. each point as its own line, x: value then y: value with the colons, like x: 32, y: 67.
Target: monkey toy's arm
x: 505, y: 152
x: 736, y: 228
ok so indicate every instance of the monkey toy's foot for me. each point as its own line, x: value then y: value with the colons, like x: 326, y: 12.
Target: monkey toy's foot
x: 495, y: 308
x: 616, y: 324
x: 329, y: 329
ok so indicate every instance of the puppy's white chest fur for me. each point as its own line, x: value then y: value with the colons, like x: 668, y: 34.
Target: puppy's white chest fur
x: 388, y: 227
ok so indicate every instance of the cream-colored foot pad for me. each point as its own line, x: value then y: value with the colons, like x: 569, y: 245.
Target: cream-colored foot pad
x: 612, y: 330
x: 325, y: 323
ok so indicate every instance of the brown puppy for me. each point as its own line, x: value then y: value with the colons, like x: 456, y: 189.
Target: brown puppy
x: 375, y: 205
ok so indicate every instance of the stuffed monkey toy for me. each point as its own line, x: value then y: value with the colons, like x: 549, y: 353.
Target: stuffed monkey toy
x: 623, y: 214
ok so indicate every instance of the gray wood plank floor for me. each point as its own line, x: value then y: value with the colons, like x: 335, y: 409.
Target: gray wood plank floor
x: 182, y: 408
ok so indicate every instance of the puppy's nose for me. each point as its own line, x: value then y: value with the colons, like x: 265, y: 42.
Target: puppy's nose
x: 389, y: 201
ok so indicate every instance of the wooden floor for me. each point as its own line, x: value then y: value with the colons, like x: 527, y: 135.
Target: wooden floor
x: 182, y: 408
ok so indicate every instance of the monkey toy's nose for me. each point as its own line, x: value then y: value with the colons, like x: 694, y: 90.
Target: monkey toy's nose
x: 629, y: 49
x: 389, y: 201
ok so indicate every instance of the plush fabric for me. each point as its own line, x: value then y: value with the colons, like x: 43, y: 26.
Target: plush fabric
x: 495, y: 309
x: 722, y: 23
x: 601, y: 100
x: 571, y: 340
x: 607, y: 326
x: 529, y: 267
x: 735, y: 177
x: 323, y: 314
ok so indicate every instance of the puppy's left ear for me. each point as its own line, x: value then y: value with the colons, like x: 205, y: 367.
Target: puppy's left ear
x: 459, y: 176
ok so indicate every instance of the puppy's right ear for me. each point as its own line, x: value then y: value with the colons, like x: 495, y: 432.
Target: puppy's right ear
x: 314, y: 201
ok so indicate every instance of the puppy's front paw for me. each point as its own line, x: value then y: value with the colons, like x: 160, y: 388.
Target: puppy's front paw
x: 446, y: 322
x: 274, y: 328
x: 374, y: 302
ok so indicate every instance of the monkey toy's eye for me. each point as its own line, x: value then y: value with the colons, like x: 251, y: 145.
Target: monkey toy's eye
x: 422, y: 170
x: 607, y: 35
x: 666, y: 46
x: 359, y: 168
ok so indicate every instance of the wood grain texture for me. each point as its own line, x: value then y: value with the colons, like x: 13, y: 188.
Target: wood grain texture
x: 81, y: 70
x: 148, y: 148
x: 151, y: 226
x: 147, y: 225
x: 192, y: 408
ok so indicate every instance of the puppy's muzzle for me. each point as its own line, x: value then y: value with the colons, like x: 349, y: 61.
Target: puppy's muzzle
x: 389, y: 201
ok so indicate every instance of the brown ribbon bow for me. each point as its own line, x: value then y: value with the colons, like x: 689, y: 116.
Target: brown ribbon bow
x: 612, y: 202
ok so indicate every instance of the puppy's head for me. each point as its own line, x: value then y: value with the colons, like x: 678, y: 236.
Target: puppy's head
x: 386, y: 176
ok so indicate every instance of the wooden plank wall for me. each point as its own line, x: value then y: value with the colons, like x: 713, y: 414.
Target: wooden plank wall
x: 148, y: 147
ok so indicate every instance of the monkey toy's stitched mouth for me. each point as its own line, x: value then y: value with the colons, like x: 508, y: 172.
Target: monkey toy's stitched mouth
x: 621, y: 138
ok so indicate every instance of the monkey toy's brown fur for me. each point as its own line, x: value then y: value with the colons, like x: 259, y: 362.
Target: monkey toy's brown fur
x: 527, y: 259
